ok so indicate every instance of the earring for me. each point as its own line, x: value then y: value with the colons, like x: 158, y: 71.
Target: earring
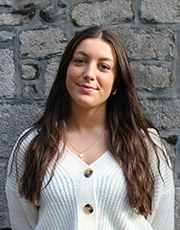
x: 114, y: 91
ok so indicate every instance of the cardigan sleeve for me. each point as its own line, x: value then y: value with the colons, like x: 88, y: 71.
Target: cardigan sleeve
x: 162, y: 217
x: 23, y: 214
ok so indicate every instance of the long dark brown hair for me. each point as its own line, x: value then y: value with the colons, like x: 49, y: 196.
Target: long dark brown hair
x: 127, y: 126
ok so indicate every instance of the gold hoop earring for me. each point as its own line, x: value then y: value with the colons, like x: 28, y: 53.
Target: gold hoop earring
x: 114, y: 91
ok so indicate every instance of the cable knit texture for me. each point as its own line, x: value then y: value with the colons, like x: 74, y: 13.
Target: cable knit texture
x: 61, y: 204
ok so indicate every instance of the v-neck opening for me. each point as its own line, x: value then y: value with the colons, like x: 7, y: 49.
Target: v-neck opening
x: 72, y: 163
x: 79, y: 159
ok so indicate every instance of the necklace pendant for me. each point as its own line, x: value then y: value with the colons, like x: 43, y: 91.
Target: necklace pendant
x: 80, y: 155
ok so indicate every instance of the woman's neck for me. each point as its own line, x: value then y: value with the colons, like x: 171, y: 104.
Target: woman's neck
x: 88, y: 119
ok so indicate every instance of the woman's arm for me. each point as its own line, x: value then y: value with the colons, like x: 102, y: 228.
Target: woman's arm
x: 23, y: 214
x: 162, y: 217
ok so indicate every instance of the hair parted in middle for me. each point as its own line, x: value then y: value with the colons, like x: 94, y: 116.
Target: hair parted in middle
x: 126, y: 124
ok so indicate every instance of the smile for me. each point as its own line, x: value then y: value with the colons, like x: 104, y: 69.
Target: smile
x: 87, y: 88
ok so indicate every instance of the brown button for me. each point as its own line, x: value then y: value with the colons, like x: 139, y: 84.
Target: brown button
x: 88, y: 209
x: 88, y: 172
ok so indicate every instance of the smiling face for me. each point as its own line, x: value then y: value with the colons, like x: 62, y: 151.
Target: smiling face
x: 91, y: 73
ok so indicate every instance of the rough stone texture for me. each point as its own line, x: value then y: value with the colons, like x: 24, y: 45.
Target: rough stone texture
x: 42, y: 43
x: 176, y: 166
x: 3, y: 202
x: 6, y: 2
x: 30, y: 71
x: 54, y: 12
x: 30, y: 92
x: 10, y: 19
x: 148, y: 43
x: 13, y: 120
x: 102, y: 13
x: 164, y: 11
x: 18, y: 16
x: 164, y: 113
x: 6, y: 35
x: 50, y: 75
x: 4, y: 220
x: 152, y: 77
x: 7, y: 70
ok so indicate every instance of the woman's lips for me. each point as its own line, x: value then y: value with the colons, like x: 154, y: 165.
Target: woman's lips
x: 87, y: 88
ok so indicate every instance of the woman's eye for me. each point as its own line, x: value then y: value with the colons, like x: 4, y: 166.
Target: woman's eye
x: 79, y: 61
x: 104, y: 67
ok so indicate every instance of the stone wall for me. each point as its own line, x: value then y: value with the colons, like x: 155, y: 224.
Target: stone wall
x: 33, y: 35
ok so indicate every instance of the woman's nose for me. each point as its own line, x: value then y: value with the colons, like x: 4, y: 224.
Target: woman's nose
x: 90, y: 72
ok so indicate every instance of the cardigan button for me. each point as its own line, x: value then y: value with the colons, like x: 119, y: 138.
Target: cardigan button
x: 88, y: 209
x: 88, y: 172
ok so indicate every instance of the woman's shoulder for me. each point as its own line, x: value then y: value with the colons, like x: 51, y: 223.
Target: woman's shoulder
x: 154, y: 136
x: 160, y: 158
x: 17, y: 156
x: 26, y: 136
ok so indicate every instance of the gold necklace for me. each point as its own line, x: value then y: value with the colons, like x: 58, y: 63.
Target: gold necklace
x: 81, y: 153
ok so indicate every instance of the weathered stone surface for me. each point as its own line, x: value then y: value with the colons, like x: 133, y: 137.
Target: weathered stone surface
x: 30, y: 71
x: 6, y: 35
x: 102, y: 13
x: 152, y: 77
x: 30, y: 92
x: 6, y: 2
x: 54, y: 12
x: 148, y: 43
x: 172, y: 153
x: 4, y: 221
x: 18, y: 16
x: 51, y: 71
x: 177, y: 209
x: 164, y: 113
x: 7, y: 70
x: 177, y: 64
x: 177, y: 165
x: 42, y: 43
x: 13, y: 120
x: 164, y: 11
x: 12, y: 19
x: 3, y: 202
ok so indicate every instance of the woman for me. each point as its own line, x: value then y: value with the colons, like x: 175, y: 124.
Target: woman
x: 93, y: 161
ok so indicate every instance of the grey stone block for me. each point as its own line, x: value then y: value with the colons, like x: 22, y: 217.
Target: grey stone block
x: 30, y: 92
x: 7, y: 71
x: 18, y: 16
x: 6, y: 35
x: 51, y: 71
x: 42, y: 43
x: 148, y: 43
x: 102, y: 13
x: 163, y: 112
x: 152, y: 77
x: 30, y: 71
x: 177, y: 164
x: 4, y: 221
x: 13, y: 120
x: 54, y: 12
x: 3, y: 201
x: 163, y: 11
x: 6, y: 2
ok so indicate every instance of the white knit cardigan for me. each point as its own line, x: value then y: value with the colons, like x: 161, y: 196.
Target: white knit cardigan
x: 61, y: 204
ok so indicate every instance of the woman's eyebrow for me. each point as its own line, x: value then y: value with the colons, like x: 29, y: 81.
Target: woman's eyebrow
x: 86, y: 55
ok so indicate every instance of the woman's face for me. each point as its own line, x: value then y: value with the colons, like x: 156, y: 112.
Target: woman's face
x: 91, y: 73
